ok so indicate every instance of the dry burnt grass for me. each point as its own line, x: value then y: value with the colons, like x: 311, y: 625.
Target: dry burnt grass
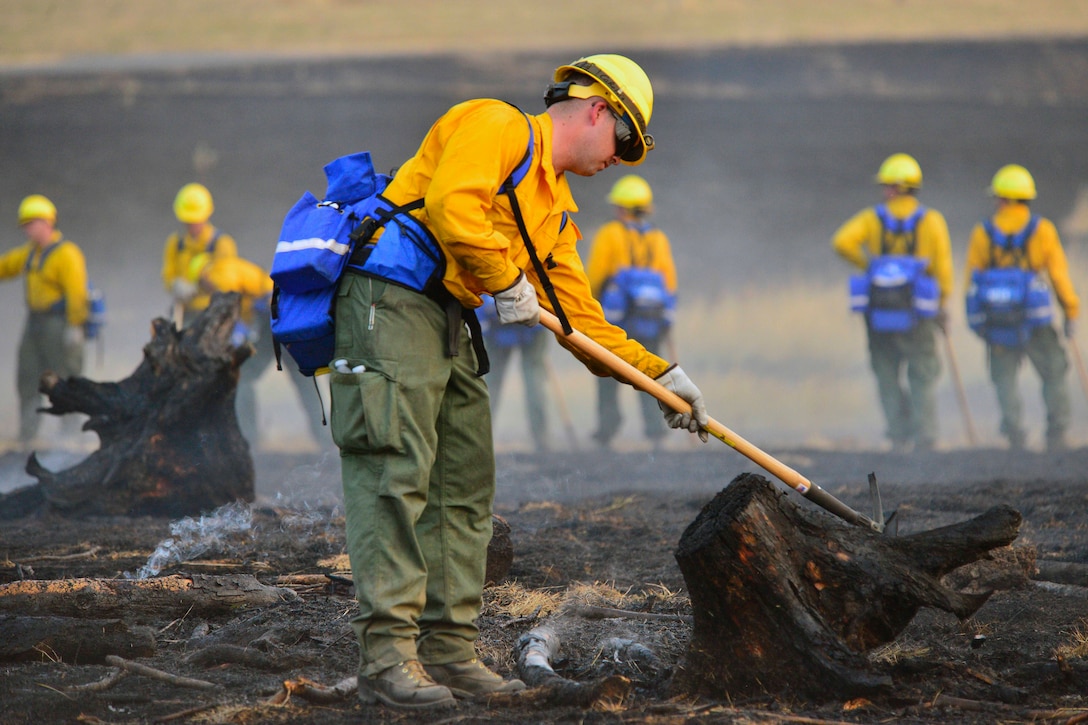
x: 596, y: 529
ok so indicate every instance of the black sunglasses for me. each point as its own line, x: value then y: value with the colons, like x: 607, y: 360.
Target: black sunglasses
x: 625, y: 140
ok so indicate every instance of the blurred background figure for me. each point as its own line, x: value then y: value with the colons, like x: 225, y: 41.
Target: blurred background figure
x: 209, y: 274
x: 1007, y: 257
x: 632, y: 274
x: 57, y: 308
x: 503, y: 342
x: 193, y: 207
x: 901, y: 319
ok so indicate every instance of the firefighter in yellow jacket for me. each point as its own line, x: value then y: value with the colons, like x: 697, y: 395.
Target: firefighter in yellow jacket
x: 193, y: 207
x: 901, y: 225
x: 56, y: 298
x: 209, y: 275
x: 1015, y: 237
x: 410, y: 413
x: 632, y: 272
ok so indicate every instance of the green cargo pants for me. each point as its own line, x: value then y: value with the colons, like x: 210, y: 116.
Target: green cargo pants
x: 42, y: 348
x: 911, y: 412
x: 418, y: 468
x: 1047, y: 355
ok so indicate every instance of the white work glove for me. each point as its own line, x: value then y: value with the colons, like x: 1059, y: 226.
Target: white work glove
x: 1070, y: 328
x: 183, y: 290
x: 518, y: 303
x: 677, y: 381
x: 73, y: 336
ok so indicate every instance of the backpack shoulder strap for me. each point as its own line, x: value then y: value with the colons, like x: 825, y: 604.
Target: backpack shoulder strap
x: 894, y: 225
x: 211, y: 242
x: 1015, y: 243
x: 522, y: 169
x: 508, y: 187
x: 44, y: 255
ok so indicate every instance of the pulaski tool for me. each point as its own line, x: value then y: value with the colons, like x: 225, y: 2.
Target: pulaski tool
x: 769, y: 463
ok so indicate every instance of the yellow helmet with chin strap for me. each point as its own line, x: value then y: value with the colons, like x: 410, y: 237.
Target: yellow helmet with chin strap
x: 631, y: 192
x: 37, y: 206
x: 900, y: 170
x: 193, y: 204
x: 1013, y: 182
x: 623, y: 85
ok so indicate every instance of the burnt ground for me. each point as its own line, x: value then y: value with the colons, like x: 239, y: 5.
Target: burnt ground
x: 588, y: 528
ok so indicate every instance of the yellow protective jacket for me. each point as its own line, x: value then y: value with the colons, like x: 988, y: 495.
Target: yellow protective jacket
x: 1044, y: 253
x: 860, y: 239
x: 234, y: 274
x: 57, y: 283
x: 465, y: 157
x: 179, y: 251
x: 618, y: 245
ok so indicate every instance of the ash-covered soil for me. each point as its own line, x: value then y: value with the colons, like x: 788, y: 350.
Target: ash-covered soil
x: 588, y: 528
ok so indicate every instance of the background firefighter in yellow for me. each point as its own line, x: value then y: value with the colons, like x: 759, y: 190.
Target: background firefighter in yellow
x: 632, y: 273
x: 902, y: 226
x: 193, y: 207
x: 994, y: 244
x: 56, y: 299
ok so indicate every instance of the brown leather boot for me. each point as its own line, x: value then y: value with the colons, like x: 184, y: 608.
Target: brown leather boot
x: 471, y: 678
x: 405, y: 685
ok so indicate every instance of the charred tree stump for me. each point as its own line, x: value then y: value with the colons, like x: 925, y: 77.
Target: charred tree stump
x: 786, y: 600
x: 170, y: 442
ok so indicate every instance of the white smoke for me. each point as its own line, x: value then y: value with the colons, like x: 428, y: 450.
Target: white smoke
x: 191, y: 538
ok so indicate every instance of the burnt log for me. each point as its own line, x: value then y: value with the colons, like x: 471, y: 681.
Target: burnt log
x: 787, y: 600
x: 170, y: 444
x: 77, y: 641
x: 142, y: 600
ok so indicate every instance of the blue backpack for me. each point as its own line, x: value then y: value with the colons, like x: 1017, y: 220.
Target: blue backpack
x: 1005, y: 305
x: 895, y: 291
x: 315, y: 245
x: 636, y: 299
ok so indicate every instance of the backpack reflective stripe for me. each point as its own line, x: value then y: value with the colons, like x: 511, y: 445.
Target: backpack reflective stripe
x: 894, y: 293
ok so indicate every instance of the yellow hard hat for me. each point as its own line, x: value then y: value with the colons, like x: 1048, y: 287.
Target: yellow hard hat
x: 193, y: 204
x: 1013, y: 182
x: 196, y: 266
x: 623, y: 84
x: 631, y: 192
x: 36, y: 206
x: 900, y: 170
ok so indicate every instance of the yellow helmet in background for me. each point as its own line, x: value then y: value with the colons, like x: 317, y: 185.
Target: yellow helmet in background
x: 1013, y: 182
x: 37, y: 206
x: 196, y: 266
x: 631, y: 192
x: 623, y: 84
x: 900, y: 170
x: 193, y: 204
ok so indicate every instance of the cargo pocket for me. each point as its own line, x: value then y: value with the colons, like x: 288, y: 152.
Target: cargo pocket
x: 365, y: 412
